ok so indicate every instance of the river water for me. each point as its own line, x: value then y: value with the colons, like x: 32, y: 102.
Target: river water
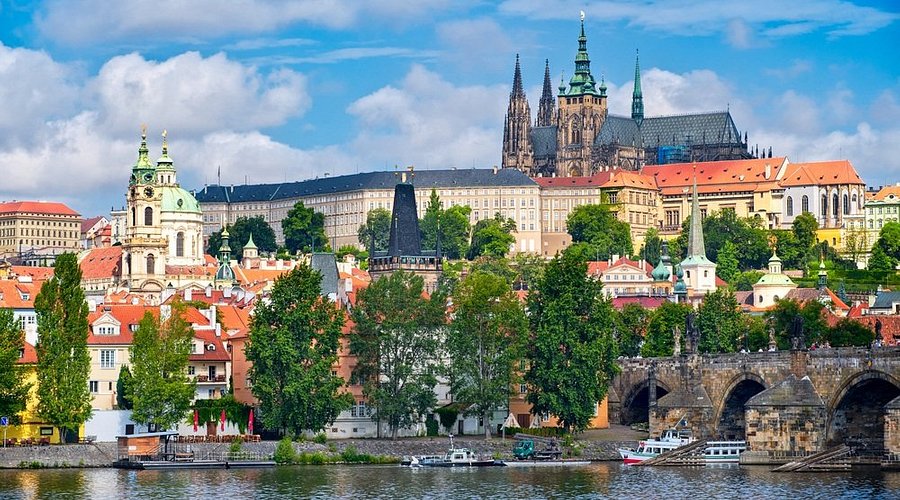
x: 598, y: 480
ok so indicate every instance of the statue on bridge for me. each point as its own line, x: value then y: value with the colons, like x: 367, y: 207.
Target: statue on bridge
x: 676, y: 334
x: 691, y: 334
x: 798, y: 340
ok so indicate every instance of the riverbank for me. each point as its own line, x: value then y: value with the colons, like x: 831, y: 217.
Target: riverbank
x: 594, y: 445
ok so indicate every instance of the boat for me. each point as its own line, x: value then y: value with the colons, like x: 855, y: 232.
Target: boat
x: 715, y: 452
x: 455, y: 457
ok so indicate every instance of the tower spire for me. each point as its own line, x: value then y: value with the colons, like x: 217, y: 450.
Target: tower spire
x: 582, y: 81
x: 637, y: 97
x: 517, y: 90
x: 548, y: 103
x: 517, y: 149
x: 696, y: 246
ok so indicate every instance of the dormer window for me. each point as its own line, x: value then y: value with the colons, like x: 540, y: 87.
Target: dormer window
x: 133, y: 327
x: 105, y: 330
x: 210, y: 347
x: 26, y: 296
x: 22, y: 353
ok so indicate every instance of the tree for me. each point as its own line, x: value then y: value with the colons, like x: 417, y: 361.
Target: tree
x: 571, y: 350
x: 13, y: 389
x: 855, y: 243
x: 492, y: 237
x: 881, y: 261
x: 304, y: 230
x: 431, y: 221
x: 719, y: 320
x: 455, y: 229
x: 782, y: 316
x: 124, y: 389
x: 804, y: 227
x: 239, y: 234
x: 788, y: 249
x: 631, y: 326
x: 293, y: 344
x: 660, y: 338
x: 529, y: 269
x: 757, y: 332
x: 484, y: 341
x: 889, y: 239
x: 744, y: 281
x: 378, y: 223
x: 161, y: 392
x: 63, y: 361
x: 397, y: 338
x: 652, y: 246
x: 849, y: 332
x: 598, y: 226
x: 727, y: 265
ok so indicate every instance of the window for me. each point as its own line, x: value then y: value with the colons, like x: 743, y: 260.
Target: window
x: 804, y: 203
x: 834, y: 204
x: 824, y: 208
x: 192, y: 370
x: 151, y: 264
x: 179, y: 244
x: 522, y: 389
x: 148, y: 216
x: 94, y: 386
x: 790, y: 206
x: 107, y: 358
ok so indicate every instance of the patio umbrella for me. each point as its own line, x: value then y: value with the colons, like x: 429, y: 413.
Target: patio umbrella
x: 222, y: 418
x: 196, y: 420
x: 250, y: 423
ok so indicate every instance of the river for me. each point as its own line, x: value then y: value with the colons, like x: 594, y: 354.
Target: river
x: 598, y: 480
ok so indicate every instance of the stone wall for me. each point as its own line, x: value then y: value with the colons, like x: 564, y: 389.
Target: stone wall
x: 892, y: 428
x: 72, y: 455
x: 792, y: 429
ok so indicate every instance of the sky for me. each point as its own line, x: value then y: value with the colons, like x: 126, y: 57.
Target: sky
x: 260, y: 91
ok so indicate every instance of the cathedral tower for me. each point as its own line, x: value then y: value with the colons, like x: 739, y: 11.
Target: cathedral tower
x: 517, y: 149
x: 582, y: 110
x: 144, y: 248
x: 547, y: 105
x: 637, y: 98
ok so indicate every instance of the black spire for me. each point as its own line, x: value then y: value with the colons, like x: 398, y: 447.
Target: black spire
x: 548, y: 103
x: 517, y: 90
x: 405, y: 235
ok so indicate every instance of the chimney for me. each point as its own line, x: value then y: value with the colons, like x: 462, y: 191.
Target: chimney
x: 348, y: 285
x: 226, y: 292
x: 208, y: 291
x: 495, y: 169
x: 768, y: 171
x: 92, y: 305
x: 212, y: 316
x: 187, y: 295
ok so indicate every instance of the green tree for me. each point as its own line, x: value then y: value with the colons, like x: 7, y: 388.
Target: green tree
x: 855, y: 243
x: 304, y: 230
x: 397, y: 340
x: 431, y: 221
x: 849, y: 332
x: 788, y: 249
x: 880, y: 260
x: 720, y: 322
x: 378, y: 223
x: 727, y: 265
x: 652, y: 246
x: 529, y: 268
x: 239, y: 234
x: 492, y: 237
x: 455, y: 229
x: 598, y: 226
x: 485, y: 338
x: 782, y: 316
x: 804, y: 227
x: 124, y: 389
x: 13, y: 389
x: 660, y: 338
x: 63, y: 361
x: 756, y: 331
x: 498, y: 266
x: 571, y: 350
x: 631, y: 326
x: 744, y: 281
x: 161, y: 392
x: 293, y: 344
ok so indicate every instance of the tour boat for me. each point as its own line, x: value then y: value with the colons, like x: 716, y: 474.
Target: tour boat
x: 455, y: 457
x: 715, y: 452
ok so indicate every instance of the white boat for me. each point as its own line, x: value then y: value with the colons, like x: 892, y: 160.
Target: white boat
x: 455, y: 457
x: 715, y: 452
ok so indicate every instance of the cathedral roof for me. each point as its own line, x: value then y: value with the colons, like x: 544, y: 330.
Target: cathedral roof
x: 619, y: 130
x: 821, y: 173
x: 543, y: 140
x: 696, y: 128
x: 718, y: 176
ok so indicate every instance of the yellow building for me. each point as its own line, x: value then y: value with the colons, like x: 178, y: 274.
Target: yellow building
x: 38, y: 231
x: 31, y: 426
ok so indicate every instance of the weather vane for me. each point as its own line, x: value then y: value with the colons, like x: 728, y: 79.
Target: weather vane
x: 582, y: 15
x: 773, y: 242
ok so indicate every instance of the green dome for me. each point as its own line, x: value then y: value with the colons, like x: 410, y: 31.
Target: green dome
x: 660, y: 272
x: 175, y: 199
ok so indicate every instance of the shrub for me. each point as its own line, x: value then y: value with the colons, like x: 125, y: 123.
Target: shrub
x: 321, y: 438
x: 235, y: 446
x: 431, y: 427
x: 284, y: 452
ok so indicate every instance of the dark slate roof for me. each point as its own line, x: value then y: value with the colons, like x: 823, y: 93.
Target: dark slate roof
x: 885, y: 300
x: 405, y: 239
x: 693, y: 397
x: 698, y: 128
x: 789, y: 392
x: 543, y: 139
x: 446, y: 178
x: 326, y: 264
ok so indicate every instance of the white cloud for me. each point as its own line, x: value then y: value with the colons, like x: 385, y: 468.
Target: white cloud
x: 473, y: 43
x: 797, y: 68
x: 739, y: 34
x: 667, y: 93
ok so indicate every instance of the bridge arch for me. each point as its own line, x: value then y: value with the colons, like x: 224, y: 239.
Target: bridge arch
x: 729, y: 417
x: 855, y: 413
x: 636, y: 403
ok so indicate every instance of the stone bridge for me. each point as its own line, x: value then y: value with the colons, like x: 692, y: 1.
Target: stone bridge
x: 782, y: 401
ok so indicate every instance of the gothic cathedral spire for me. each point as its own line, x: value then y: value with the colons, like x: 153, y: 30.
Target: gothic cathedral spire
x: 637, y: 98
x: 548, y: 103
x: 517, y: 149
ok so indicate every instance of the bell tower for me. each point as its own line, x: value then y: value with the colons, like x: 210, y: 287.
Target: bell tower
x: 144, y: 248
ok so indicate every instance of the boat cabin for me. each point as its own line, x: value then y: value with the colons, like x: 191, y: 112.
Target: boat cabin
x: 147, y: 446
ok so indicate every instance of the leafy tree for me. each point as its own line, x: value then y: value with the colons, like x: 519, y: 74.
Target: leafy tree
x: 744, y: 281
x: 498, y: 266
x: 849, y: 332
x: 598, y: 226
x: 304, y: 230
x: 161, y: 392
x: 631, y: 326
x: 727, y: 265
x: 64, y: 363
x: 293, y: 344
x: 239, y: 234
x: 13, y: 389
x: 880, y: 260
x: 889, y: 239
x: 782, y: 315
x: 397, y: 339
x: 788, y: 249
x: 431, y: 221
x: 720, y: 322
x: 571, y: 350
x: 804, y: 227
x: 756, y: 331
x: 485, y: 339
x: 652, y: 246
x: 529, y: 269
x: 492, y: 237
x: 855, y: 243
x: 660, y: 339
x: 378, y: 223
x: 124, y: 389
x: 455, y: 230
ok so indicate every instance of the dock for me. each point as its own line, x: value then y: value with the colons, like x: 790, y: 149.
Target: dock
x: 819, y: 462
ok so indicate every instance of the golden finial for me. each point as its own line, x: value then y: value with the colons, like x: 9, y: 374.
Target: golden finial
x: 773, y: 242
x: 164, y: 134
x: 144, y: 130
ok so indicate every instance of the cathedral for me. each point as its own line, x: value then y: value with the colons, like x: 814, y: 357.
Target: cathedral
x: 573, y: 134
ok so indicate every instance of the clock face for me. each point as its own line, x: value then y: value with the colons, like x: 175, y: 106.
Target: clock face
x: 148, y: 177
x: 148, y: 192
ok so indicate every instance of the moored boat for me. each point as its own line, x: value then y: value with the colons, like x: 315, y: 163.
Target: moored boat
x: 715, y: 452
x: 455, y: 457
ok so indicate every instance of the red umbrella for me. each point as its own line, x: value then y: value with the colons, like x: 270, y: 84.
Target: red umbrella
x: 196, y: 420
x: 222, y: 418
x: 250, y: 423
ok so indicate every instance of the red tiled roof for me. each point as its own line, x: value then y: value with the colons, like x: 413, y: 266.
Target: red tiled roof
x: 12, y: 293
x: 645, y: 302
x: 88, y: 224
x: 601, y: 266
x: 127, y: 315
x: 821, y: 173
x: 36, y: 207
x: 631, y: 179
x: 887, y: 193
x: 36, y: 273
x: 717, y: 176
x: 235, y: 321
x: 100, y: 263
x: 209, y: 338
x: 202, y: 270
x: 29, y: 356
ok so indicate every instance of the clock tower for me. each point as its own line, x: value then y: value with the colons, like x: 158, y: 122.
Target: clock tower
x: 144, y: 247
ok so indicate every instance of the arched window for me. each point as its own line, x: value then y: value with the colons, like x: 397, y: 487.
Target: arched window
x: 824, y: 204
x: 790, y: 206
x: 834, y: 205
x: 148, y: 216
x: 179, y: 244
x: 804, y: 203
x: 133, y: 216
x: 151, y: 264
x: 846, y: 204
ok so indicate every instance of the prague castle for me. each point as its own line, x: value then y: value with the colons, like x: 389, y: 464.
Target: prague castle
x: 575, y: 136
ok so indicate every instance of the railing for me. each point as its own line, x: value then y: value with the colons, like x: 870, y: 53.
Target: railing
x: 207, y: 378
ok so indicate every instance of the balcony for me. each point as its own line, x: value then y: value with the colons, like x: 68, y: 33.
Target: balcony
x: 206, y: 379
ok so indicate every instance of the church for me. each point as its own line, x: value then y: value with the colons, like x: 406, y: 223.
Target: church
x: 573, y: 135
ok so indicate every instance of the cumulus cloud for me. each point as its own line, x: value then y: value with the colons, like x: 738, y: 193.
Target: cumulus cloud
x: 667, y: 93
x: 472, y: 43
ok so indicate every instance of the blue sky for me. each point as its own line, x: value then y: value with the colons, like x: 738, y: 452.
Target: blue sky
x: 273, y: 91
